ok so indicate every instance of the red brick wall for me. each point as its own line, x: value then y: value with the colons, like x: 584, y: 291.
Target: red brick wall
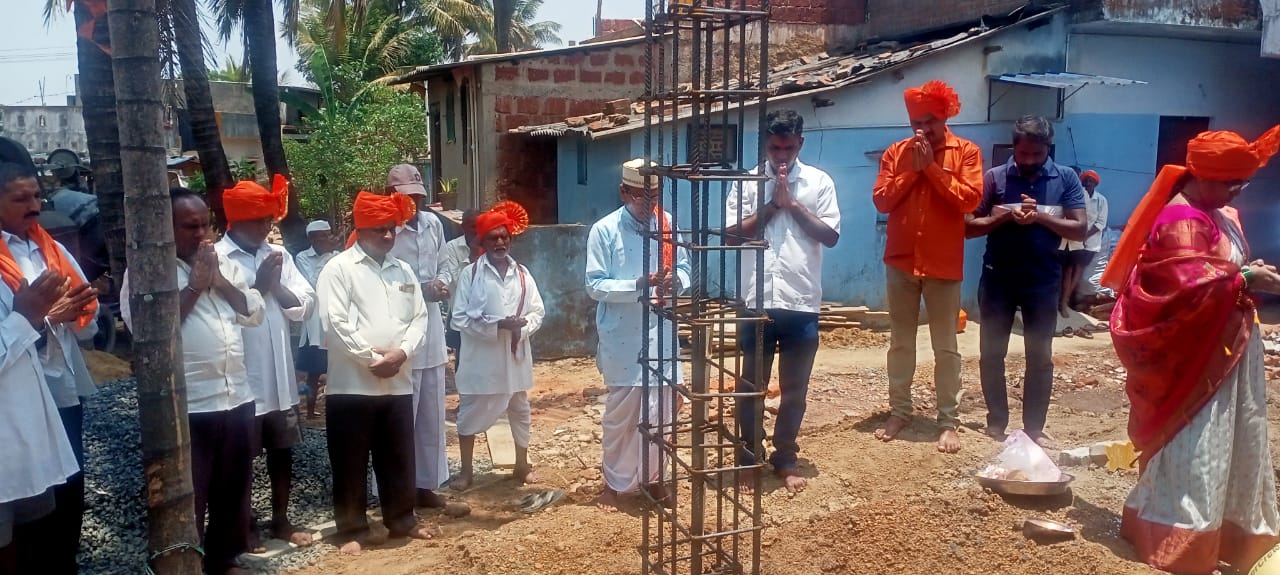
x: 900, y: 17
x: 838, y: 12
x: 547, y: 90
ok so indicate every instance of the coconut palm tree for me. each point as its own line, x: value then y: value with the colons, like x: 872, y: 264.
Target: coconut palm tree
x: 190, y: 43
x: 452, y: 21
x: 524, y: 33
x: 370, y: 50
x: 231, y: 72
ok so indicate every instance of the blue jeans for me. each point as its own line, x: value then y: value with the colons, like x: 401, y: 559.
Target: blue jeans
x: 794, y: 335
x: 998, y: 298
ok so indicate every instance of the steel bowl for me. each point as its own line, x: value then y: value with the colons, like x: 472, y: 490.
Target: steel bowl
x: 1029, y: 488
x: 1047, y: 530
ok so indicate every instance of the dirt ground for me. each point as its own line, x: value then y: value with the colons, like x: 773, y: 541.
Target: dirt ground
x: 871, y: 507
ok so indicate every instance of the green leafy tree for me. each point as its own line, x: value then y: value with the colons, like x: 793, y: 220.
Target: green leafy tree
x: 522, y: 30
x: 350, y: 148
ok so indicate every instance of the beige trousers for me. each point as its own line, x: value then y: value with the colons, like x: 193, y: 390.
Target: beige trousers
x: 942, y: 299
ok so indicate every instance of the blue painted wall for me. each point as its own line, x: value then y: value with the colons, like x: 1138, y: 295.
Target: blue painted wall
x: 586, y: 203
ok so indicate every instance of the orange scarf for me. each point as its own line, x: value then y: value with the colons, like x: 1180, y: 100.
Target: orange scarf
x: 54, y: 259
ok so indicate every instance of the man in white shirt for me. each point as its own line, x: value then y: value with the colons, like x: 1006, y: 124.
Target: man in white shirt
x: 456, y: 254
x: 374, y: 319
x: 418, y: 243
x: 1079, y: 256
x: 214, y: 303
x: 497, y: 309
x: 615, y: 277
x: 251, y: 212
x: 29, y: 248
x: 40, y: 468
x: 798, y: 215
x: 313, y: 358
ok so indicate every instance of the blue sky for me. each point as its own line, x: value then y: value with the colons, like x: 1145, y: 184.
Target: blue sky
x: 33, y: 52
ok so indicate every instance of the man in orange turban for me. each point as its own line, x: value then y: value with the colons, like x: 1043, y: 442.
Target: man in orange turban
x: 927, y: 184
x: 497, y: 309
x: 374, y: 319
x: 45, y: 303
x: 251, y: 213
x: 1185, y: 327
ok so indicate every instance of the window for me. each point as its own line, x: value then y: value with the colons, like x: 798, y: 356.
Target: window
x: 721, y: 144
x: 450, y: 134
x: 62, y: 120
x: 582, y: 161
x: 42, y: 122
x: 22, y: 121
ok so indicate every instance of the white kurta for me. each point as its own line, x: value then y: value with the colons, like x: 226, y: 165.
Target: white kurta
x: 65, y: 371
x: 615, y: 263
x: 484, y: 298
x: 366, y: 305
x: 420, y: 248
x: 268, y: 348
x: 212, y: 341
x: 793, y: 262
x: 309, y: 265
x: 33, y: 443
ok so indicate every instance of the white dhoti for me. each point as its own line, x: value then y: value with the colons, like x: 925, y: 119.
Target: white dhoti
x: 430, y: 458
x: 478, y: 412
x: 623, y: 447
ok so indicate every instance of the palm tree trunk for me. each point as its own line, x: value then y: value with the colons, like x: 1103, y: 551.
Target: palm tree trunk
x: 503, y: 13
x: 98, y: 96
x: 260, y: 42
x: 162, y: 393
x: 204, y: 121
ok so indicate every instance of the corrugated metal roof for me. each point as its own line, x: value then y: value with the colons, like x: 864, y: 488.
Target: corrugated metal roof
x: 808, y: 76
x: 1065, y: 80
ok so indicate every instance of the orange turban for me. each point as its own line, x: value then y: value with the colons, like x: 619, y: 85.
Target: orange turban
x: 373, y: 210
x: 934, y: 97
x: 1225, y: 156
x: 1213, y: 156
x: 505, y: 213
x: 249, y: 201
x: 1091, y: 174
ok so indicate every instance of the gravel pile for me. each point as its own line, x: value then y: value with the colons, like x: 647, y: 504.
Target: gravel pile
x: 113, y: 540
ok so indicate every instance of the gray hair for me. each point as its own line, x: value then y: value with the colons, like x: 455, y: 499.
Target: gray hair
x: 1037, y: 129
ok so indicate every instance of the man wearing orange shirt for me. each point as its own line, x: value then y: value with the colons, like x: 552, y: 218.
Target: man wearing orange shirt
x: 927, y: 184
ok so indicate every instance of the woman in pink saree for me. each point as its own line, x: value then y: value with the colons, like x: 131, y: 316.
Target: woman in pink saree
x: 1185, y: 328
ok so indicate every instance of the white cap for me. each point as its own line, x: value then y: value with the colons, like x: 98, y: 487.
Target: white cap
x: 631, y: 174
x: 318, y: 226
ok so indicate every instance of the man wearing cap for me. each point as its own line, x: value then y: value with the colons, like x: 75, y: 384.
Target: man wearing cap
x: 798, y: 216
x: 418, y: 243
x: 498, y: 308
x: 251, y: 212
x: 615, y: 277
x: 374, y: 319
x: 1077, y: 256
x: 313, y: 357
x: 927, y: 184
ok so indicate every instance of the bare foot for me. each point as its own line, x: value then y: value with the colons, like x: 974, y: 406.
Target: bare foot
x: 793, y: 482
x: 300, y: 538
x: 891, y: 428
x: 746, y: 485
x: 461, y: 483
x: 948, y: 441
x: 526, y: 475
x: 421, y: 532
x: 351, y: 548
x: 1063, y: 311
x: 608, y: 500
x: 996, y: 433
x: 255, y: 540
x: 662, y: 495
x: 1044, y: 440
x: 431, y: 499
x: 291, y: 534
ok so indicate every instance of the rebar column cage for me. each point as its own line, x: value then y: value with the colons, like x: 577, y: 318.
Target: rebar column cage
x: 706, y: 82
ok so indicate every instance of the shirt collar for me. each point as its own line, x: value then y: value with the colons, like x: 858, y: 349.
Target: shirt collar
x: 417, y: 217
x: 362, y: 256
x: 794, y: 173
x: 232, y: 246
x: 1048, y: 170
x: 953, y: 141
x: 484, y: 261
x: 11, y: 238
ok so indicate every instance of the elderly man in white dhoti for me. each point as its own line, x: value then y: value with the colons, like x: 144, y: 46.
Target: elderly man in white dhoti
x: 497, y: 308
x: 615, y: 277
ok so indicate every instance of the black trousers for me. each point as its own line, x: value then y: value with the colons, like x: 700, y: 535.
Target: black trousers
x: 359, y: 426
x: 51, y: 544
x: 222, y: 474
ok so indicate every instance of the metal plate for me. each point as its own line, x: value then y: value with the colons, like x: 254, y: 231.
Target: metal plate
x: 1032, y: 488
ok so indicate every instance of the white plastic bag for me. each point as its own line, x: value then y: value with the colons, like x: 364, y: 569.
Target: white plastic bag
x: 1022, y: 460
